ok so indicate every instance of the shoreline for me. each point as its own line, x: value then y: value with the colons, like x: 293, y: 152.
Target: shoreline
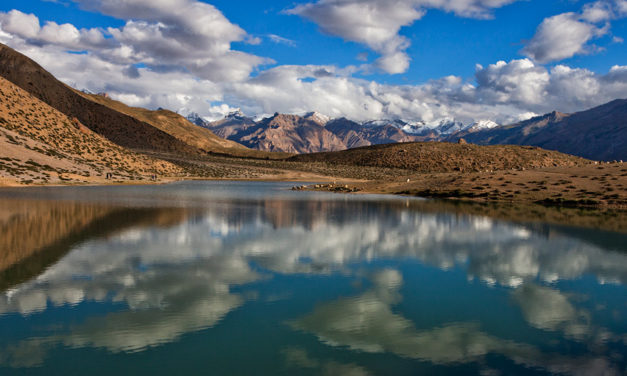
x: 466, y: 200
x: 357, y: 186
x: 603, y: 217
x: 590, y: 187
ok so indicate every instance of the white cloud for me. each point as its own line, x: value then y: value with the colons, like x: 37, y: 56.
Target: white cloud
x: 24, y: 25
x: 281, y: 40
x: 597, y: 12
x: 376, y: 23
x: 503, y: 92
x: 519, y: 81
x: 568, y: 34
x: 167, y: 61
x: 560, y: 37
x: 27, y: 26
x: 166, y: 35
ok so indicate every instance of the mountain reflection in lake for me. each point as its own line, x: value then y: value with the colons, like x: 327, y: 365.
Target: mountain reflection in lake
x: 249, y: 278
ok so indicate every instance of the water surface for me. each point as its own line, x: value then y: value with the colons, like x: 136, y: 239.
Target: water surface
x: 228, y: 278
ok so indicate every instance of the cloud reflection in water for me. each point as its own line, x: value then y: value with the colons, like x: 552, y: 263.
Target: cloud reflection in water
x: 178, y: 278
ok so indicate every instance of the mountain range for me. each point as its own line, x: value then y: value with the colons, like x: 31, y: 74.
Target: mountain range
x: 310, y: 133
x: 599, y: 133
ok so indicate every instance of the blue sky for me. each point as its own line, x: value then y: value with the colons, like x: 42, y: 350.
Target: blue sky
x: 442, y: 40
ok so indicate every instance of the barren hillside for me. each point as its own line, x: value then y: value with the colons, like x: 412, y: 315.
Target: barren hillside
x: 599, y: 133
x: 444, y: 157
x: 117, y: 127
x: 41, y: 145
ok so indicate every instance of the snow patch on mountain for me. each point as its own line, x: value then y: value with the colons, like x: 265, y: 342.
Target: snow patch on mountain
x: 319, y: 118
x: 444, y: 127
x: 195, y: 118
x: 483, y: 124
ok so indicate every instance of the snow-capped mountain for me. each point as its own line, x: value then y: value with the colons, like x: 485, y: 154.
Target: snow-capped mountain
x: 420, y: 128
x: 255, y: 132
x: 448, y: 127
x: 314, y: 131
x: 236, y: 115
x: 317, y: 117
x: 482, y: 124
x: 442, y: 128
x: 197, y: 119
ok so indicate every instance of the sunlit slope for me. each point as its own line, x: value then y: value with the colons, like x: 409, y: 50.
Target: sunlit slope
x: 39, y: 144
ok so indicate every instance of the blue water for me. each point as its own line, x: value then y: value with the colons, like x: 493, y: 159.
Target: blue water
x: 228, y: 278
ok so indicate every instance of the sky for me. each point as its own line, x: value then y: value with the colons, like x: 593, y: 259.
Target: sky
x: 418, y: 60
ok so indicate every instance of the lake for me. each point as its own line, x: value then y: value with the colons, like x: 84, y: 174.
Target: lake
x: 236, y: 278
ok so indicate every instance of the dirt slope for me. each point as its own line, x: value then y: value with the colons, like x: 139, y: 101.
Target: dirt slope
x: 117, y: 127
x: 38, y: 144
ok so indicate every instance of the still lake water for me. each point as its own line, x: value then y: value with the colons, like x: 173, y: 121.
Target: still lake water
x: 227, y: 278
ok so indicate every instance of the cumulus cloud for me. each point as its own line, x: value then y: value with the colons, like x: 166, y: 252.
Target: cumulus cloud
x: 560, y: 37
x: 28, y: 27
x: 502, y: 92
x: 165, y: 35
x: 164, y: 56
x: 568, y: 34
x: 376, y: 23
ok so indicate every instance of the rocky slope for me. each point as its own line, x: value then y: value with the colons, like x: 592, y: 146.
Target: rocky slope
x: 230, y: 127
x: 599, y: 133
x: 310, y: 133
x: 39, y: 144
x: 279, y: 133
x: 355, y: 135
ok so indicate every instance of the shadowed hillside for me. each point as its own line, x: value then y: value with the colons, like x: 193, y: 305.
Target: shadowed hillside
x: 599, y: 133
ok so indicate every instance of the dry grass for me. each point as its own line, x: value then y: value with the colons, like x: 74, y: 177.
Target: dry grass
x: 428, y: 157
x: 43, y: 146
x: 590, y: 185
